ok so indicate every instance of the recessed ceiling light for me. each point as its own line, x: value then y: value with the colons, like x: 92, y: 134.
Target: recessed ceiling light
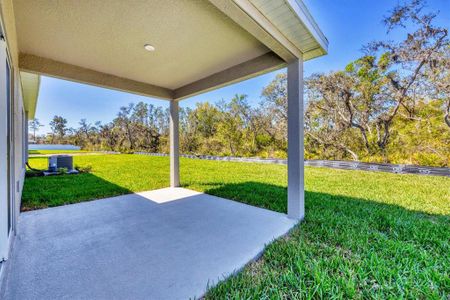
x: 149, y: 47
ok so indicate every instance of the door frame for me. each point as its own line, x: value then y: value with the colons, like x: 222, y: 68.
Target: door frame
x: 7, y: 170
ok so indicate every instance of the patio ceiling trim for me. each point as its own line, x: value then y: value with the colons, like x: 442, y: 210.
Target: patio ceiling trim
x: 301, y: 12
x: 30, y: 91
x: 44, y: 66
x: 244, y: 13
x: 257, y: 66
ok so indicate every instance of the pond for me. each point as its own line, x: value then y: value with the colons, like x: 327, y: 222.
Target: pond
x: 52, y: 147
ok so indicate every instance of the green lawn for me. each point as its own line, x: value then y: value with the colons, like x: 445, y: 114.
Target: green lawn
x: 365, y: 235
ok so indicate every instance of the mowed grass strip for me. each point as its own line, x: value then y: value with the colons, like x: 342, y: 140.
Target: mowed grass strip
x: 365, y: 235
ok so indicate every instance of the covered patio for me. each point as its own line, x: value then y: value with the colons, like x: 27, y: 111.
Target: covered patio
x: 170, y: 243
x: 173, y: 50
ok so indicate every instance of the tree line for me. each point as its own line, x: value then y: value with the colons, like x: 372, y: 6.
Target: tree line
x: 390, y: 105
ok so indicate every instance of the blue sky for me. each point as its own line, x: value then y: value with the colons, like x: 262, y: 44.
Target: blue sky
x: 348, y: 24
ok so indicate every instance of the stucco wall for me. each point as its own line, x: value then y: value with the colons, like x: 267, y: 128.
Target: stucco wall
x: 20, y: 124
x: 19, y: 116
x: 19, y: 143
x: 7, y: 18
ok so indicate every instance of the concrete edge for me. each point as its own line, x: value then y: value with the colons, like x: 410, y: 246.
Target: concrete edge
x: 256, y: 258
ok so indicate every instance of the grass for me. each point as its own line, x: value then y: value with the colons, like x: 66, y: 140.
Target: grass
x: 365, y: 235
x: 111, y: 175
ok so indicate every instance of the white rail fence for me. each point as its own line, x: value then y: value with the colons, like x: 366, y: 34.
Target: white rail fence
x: 345, y: 165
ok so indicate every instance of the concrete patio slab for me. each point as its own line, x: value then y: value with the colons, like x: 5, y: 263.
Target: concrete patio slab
x: 164, y: 244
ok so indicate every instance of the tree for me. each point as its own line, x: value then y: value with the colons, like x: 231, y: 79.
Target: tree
x: 404, y: 64
x: 199, y: 129
x: 58, y: 125
x: 109, y: 137
x: 330, y: 113
x: 34, y: 126
x: 123, y: 120
x: 438, y: 75
x: 373, y: 90
x: 229, y: 127
x: 85, y: 128
x: 188, y: 131
x: 274, y: 105
x: 146, y: 136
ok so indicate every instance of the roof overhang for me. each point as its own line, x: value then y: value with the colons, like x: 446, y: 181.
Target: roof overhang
x: 30, y: 91
x: 200, y: 45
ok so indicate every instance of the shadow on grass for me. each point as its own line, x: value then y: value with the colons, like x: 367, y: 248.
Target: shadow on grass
x: 346, y: 247
x: 339, y: 212
x: 49, y: 191
x: 269, y: 196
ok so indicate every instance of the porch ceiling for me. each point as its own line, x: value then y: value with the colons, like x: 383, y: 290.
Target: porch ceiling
x: 200, y: 45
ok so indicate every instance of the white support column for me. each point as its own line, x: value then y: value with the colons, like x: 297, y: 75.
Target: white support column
x: 174, y: 145
x: 296, y: 186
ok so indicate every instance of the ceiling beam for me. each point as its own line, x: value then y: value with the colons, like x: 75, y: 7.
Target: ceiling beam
x: 257, y: 66
x: 44, y: 66
x: 246, y: 15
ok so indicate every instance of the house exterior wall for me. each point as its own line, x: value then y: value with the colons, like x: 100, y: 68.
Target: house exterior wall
x: 20, y: 141
x: 19, y: 124
x: 17, y: 158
